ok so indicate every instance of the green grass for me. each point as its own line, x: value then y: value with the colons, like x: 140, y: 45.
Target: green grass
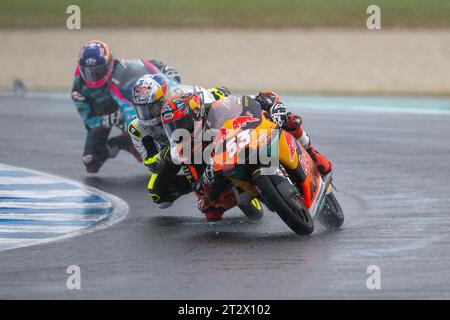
x: 223, y: 13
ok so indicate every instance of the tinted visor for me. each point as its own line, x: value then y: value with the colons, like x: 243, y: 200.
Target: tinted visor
x: 149, y: 111
x: 185, y: 123
x: 94, y: 74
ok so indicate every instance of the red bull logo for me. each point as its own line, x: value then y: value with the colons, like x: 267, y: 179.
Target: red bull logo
x: 223, y: 132
x: 241, y: 121
x: 304, y: 163
x: 290, y: 144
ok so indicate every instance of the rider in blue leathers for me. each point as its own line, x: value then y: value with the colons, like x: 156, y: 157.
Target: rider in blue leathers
x: 102, y: 94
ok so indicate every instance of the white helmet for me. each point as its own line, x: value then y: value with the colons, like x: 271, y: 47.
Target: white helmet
x: 149, y: 94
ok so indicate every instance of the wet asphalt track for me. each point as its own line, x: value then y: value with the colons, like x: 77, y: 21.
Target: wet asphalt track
x: 392, y: 174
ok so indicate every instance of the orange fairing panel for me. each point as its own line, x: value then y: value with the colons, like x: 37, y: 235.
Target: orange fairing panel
x: 311, y: 185
x: 237, y: 139
x: 288, y: 151
x: 292, y: 155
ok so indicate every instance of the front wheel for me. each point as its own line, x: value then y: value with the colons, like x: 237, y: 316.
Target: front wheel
x: 253, y: 210
x: 331, y: 215
x: 282, y: 197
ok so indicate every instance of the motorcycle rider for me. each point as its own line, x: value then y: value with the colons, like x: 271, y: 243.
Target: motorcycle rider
x: 101, y: 95
x: 149, y: 94
x: 271, y: 103
x: 213, y: 116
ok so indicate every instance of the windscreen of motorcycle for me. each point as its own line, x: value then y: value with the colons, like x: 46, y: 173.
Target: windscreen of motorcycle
x: 223, y: 110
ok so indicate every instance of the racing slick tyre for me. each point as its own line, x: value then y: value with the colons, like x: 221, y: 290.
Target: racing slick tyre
x: 254, y: 211
x: 282, y: 197
x: 331, y: 216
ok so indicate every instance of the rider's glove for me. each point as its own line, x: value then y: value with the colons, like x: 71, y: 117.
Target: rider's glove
x: 164, y: 154
x: 220, y: 92
x: 203, y: 185
x: 153, y: 163
x: 199, y: 188
x: 293, y: 122
x: 208, y: 175
x: 279, y: 114
x: 112, y: 119
x: 171, y: 73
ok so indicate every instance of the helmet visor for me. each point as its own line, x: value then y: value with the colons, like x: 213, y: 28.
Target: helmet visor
x: 186, y: 124
x: 179, y: 132
x: 149, y: 111
x: 94, y: 74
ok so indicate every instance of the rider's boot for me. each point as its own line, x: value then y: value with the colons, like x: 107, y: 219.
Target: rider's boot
x: 122, y: 142
x: 164, y: 188
x: 93, y: 163
x: 212, y: 215
x: 323, y: 164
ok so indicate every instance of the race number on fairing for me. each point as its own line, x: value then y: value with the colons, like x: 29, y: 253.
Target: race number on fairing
x: 243, y: 139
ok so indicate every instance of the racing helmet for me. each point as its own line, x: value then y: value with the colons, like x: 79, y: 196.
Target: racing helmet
x: 267, y: 99
x: 95, y: 63
x: 149, y: 94
x: 183, y: 112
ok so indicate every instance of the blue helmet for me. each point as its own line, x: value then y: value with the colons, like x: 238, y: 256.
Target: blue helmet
x: 95, y: 63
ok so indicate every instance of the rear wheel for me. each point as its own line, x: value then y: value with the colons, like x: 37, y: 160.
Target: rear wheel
x: 331, y: 216
x: 282, y: 197
x: 254, y: 210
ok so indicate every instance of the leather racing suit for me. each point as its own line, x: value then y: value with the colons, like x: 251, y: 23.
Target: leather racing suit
x: 108, y: 106
x: 150, y: 140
